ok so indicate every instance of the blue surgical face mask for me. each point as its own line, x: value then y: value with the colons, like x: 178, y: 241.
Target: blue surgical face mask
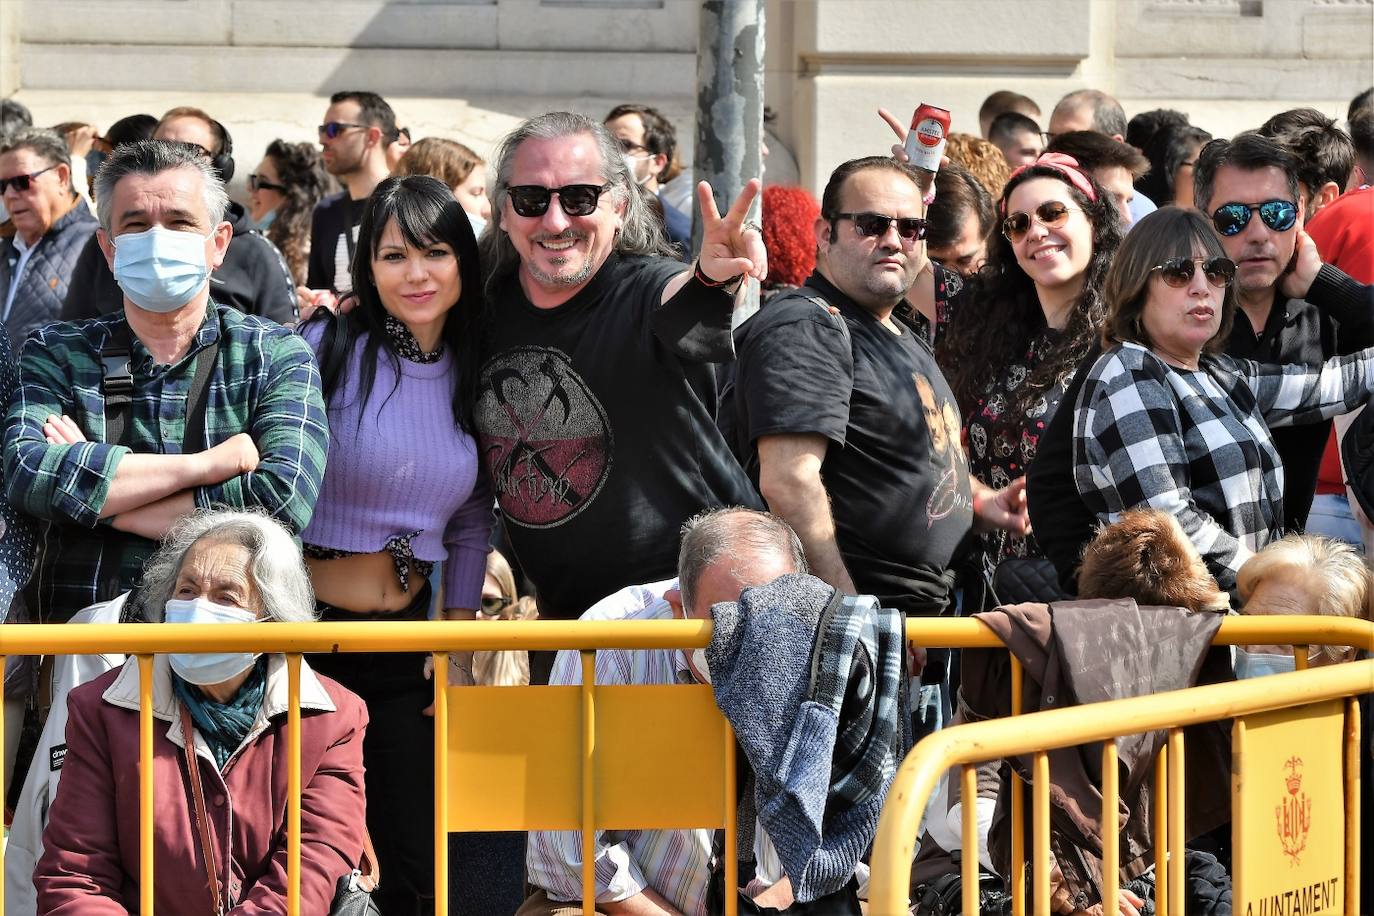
x: 160, y: 269
x: 1258, y: 664
x: 203, y: 669
x: 262, y: 225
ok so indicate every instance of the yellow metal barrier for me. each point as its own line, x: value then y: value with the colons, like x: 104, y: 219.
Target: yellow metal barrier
x: 604, y: 714
x: 1037, y: 733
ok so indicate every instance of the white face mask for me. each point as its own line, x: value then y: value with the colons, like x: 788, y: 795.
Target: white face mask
x: 1259, y: 664
x: 632, y: 163
x: 205, y: 668
x: 696, y: 660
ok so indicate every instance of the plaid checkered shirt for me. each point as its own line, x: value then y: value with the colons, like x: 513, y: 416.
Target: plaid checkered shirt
x: 264, y: 383
x: 1197, y: 444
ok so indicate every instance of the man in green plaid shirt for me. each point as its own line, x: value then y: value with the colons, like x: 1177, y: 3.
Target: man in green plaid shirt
x: 103, y: 506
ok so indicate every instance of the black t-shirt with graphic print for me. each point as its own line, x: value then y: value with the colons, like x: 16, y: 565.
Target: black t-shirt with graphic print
x: 895, y: 471
x: 596, y: 421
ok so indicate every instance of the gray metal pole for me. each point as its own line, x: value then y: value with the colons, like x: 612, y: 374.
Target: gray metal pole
x: 729, y: 103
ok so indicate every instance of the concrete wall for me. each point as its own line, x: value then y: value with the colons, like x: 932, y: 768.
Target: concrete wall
x: 469, y: 68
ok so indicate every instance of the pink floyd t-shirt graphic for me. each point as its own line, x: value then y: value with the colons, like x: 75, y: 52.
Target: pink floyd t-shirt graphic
x: 547, y: 443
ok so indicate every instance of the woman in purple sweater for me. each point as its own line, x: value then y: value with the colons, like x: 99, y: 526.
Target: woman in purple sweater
x: 403, y: 490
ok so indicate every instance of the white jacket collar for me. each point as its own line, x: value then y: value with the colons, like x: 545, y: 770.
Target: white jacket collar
x: 123, y: 692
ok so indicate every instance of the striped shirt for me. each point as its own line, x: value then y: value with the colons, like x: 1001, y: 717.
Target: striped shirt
x: 1196, y: 444
x: 674, y: 863
x: 264, y: 383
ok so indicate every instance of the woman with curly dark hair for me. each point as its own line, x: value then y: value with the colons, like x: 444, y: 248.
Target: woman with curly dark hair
x: 283, y: 192
x: 1032, y: 315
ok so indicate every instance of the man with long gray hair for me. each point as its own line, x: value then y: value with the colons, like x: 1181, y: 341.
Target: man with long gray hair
x: 597, y: 401
x: 173, y: 403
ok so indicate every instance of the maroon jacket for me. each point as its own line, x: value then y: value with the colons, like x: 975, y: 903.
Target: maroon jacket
x: 90, y: 862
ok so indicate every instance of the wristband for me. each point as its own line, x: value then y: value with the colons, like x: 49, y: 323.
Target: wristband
x: 700, y: 276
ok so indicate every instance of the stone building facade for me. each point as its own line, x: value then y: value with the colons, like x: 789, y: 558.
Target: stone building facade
x: 470, y: 68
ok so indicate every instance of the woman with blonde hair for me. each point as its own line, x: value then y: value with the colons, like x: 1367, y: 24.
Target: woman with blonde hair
x: 1301, y: 574
x: 500, y: 602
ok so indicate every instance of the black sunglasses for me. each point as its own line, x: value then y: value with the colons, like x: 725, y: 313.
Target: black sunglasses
x: 910, y: 228
x: 575, y: 199
x: 332, y: 129
x: 255, y: 183
x: 1051, y: 214
x: 22, y: 182
x: 1179, y: 272
x: 495, y: 605
x: 1279, y: 215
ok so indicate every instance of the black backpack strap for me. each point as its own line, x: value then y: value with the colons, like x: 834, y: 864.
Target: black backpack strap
x: 198, y: 400
x: 117, y: 384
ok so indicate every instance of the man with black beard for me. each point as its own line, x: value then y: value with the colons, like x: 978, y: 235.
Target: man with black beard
x: 850, y: 428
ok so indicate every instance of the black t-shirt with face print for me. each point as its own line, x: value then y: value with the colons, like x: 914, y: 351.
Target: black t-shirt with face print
x: 894, y: 469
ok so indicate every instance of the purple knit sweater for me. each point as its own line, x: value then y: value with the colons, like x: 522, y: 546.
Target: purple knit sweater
x: 406, y: 467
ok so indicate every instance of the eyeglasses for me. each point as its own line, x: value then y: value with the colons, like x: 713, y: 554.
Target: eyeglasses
x: 575, y: 199
x: 1052, y: 214
x: 910, y: 228
x: 332, y: 129
x: 1179, y: 272
x: 629, y: 147
x: 1279, y: 215
x: 493, y: 605
x: 256, y: 183
x: 21, y: 183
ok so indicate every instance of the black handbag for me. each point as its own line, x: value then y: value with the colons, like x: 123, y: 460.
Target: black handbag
x: 1019, y: 580
x: 351, y: 900
x: 353, y: 893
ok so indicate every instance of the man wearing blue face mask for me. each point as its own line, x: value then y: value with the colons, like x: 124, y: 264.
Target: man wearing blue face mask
x: 124, y: 424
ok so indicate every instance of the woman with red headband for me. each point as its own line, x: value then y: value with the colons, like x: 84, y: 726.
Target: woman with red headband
x: 1032, y: 316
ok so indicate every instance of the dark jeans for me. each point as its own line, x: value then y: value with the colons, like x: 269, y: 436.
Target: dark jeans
x: 398, y: 754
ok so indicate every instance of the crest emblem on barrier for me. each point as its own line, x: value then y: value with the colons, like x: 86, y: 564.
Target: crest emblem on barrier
x: 1293, y: 814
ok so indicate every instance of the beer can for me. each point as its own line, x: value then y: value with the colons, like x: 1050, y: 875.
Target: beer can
x: 925, y: 142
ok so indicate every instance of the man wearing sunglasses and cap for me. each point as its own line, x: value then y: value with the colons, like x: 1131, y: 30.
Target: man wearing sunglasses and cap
x: 1293, y: 308
x: 597, y: 399
x: 843, y: 415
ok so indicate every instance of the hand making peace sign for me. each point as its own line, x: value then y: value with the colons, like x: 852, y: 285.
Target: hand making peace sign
x: 730, y: 246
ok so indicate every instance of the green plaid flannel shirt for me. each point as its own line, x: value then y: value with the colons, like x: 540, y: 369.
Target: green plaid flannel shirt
x: 265, y: 383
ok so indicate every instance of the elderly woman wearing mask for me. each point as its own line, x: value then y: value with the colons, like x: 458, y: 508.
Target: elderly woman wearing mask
x: 226, y: 713
x: 1166, y: 420
x: 1301, y: 574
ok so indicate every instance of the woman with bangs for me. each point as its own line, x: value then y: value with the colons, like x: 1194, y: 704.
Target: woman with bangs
x: 403, y: 490
x: 1167, y: 420
x: 1030, y: 319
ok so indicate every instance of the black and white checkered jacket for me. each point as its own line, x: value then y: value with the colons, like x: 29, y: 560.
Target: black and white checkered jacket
x: 1197, y: 444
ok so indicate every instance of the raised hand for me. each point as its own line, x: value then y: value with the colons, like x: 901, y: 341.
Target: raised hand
x: 730, y: 247
x: 1297, y: 279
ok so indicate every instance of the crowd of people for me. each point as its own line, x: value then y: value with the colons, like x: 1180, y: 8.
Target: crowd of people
x: 403, y: 382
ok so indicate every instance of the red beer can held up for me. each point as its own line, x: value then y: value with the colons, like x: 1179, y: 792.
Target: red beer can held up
x: 925, y: 142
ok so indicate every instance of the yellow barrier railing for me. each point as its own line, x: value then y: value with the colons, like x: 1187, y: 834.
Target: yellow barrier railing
x: 1037, y: 733
x: 440, y: 638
